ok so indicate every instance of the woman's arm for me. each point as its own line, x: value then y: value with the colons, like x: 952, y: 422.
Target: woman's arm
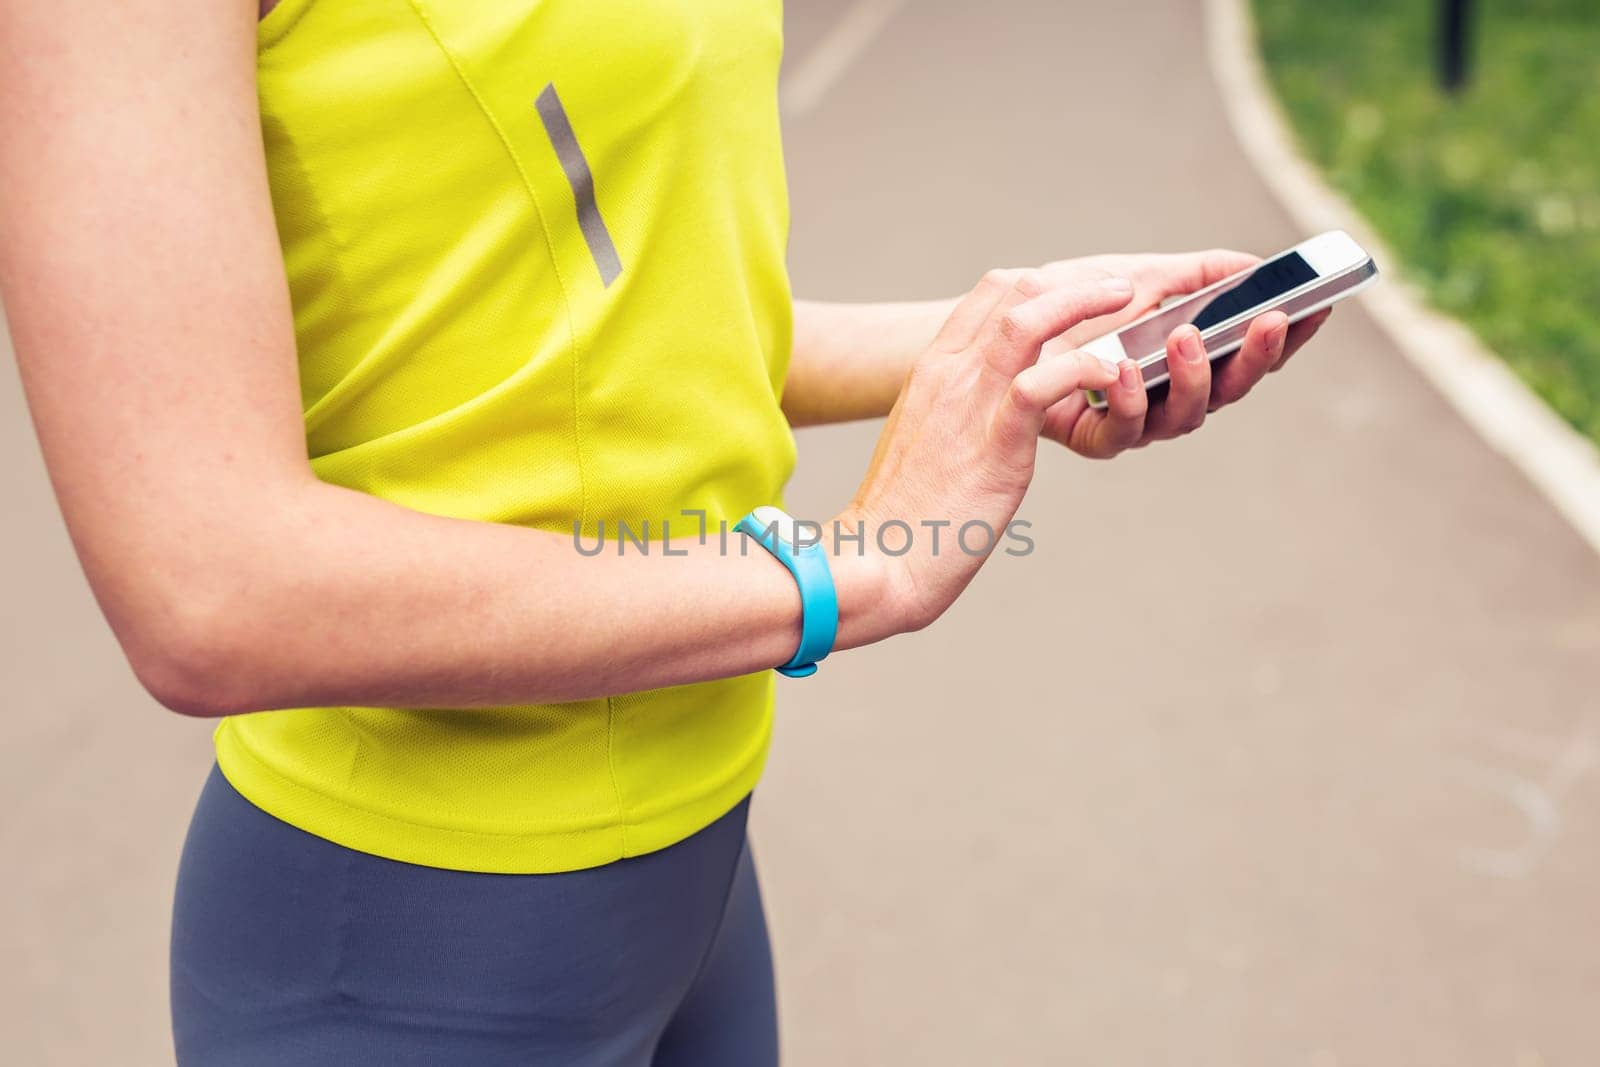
x: 142, y: 276
x: 849, y: 360
x: 145, y: 289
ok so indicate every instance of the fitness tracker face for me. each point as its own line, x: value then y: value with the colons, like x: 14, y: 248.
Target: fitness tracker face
x: 783, y: 526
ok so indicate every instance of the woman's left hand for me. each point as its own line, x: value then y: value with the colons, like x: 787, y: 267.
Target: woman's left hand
x: 1130, y: 419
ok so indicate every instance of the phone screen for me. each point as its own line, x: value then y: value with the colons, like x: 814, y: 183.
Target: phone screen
x: 1269, y: 280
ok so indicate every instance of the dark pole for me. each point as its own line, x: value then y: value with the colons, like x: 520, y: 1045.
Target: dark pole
x: 1455, y: 18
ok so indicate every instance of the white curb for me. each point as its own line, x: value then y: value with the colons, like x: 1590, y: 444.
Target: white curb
x: 1563, y: 464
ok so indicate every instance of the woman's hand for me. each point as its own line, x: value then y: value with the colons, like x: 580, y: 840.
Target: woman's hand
x: 849, y: 360
x: 957, y: 453
x: 1130, y: 419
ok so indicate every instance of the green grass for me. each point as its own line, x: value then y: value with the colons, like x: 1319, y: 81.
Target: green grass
x: 1491, y: 198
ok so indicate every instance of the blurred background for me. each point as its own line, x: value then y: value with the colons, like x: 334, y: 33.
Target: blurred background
x: 1282, y: 748
x: 1466, y: 132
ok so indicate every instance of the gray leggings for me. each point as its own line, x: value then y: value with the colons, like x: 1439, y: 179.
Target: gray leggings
x: 289, y: 951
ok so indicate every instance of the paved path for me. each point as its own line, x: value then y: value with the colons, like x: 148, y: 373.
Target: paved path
x: 1281, y: 749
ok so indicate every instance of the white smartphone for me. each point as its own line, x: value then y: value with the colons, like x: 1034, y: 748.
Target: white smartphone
x: 1298, y: 282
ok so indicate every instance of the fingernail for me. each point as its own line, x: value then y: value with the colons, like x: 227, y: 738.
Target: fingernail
x: 1128, y: 375
x: 1280, y: 333
x: 1117, y: 285
x: 1190, y: 347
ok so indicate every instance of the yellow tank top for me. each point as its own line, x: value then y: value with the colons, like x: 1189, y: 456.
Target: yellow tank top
x: 536, y: 255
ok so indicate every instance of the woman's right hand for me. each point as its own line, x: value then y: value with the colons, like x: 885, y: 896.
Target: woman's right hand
x: 959, y: 447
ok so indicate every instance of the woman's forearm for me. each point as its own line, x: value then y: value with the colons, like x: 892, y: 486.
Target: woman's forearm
x: 343, y: 598
x: 850, y: 360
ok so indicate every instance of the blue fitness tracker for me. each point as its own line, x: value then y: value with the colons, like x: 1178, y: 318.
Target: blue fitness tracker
x: 778, y: 533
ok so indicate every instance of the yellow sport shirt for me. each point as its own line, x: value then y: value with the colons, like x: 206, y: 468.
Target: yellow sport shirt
x: 536, y: 254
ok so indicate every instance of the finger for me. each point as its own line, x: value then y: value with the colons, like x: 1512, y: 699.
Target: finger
x: 1163, y: 274
x: 1156, y: 277
x: 972, y: 310
x: 1263, y: 344
x: 1184, y: 408
x: 1300, y: 333
x: 1104, y: 433
x: 1034, y: 391
x: 1021, y: 323
x: 1185, y: 272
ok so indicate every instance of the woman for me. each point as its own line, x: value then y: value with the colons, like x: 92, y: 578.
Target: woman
x: 526, y: 260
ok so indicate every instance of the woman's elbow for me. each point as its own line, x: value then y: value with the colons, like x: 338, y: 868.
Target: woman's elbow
x: 179, y: 684
x: 192, y: 658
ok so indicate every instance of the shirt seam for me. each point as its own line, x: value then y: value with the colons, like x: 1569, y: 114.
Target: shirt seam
x: 270, y: 32
x: 572, y: 335
x: 611, y: 766
x: 544, y: 232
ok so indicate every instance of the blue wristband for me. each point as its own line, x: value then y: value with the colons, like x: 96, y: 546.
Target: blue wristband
x: 778, y: 533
